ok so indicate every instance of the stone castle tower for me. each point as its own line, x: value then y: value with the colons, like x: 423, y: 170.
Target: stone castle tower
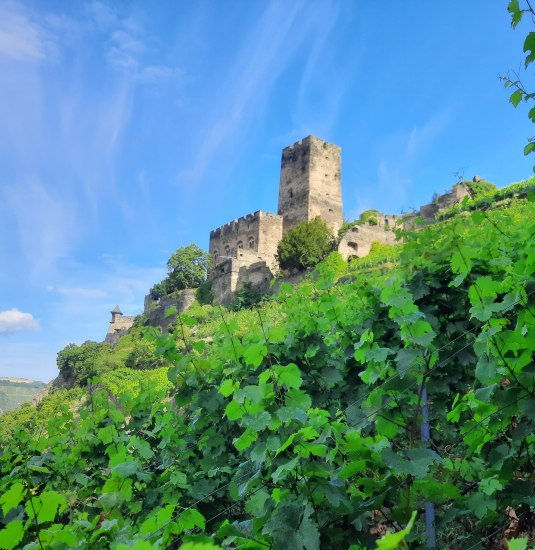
x: 310, y: 183
x: 245, y: 250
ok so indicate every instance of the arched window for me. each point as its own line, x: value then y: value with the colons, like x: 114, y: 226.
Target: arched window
x: 227, y: 250
x: 251, y: 243
x: 215, y: 256
x: 240, y: 245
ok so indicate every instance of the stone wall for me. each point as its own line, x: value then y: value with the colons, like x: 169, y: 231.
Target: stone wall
x: 230, y: 275
x: 310, y: 183
x: 155, y: 310
x: 455, y: 196
x: 119, y: 326
x: 357, y: 242
x: 258, y: 233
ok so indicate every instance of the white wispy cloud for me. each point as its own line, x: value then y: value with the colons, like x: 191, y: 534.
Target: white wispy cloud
x: 23, y: 36
x: 13, y: 320
x: 45, y: 224
x: 128, y: 44
x: 78, y: 291
x: 265, y: 53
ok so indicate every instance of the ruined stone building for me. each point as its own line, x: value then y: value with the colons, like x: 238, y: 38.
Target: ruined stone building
x: 119, y: 325
x: 245, y: 250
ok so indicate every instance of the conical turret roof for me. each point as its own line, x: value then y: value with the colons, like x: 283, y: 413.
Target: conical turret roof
x: 117, y: 309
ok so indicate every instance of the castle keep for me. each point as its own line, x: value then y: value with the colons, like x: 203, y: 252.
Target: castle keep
x: 245, y: 249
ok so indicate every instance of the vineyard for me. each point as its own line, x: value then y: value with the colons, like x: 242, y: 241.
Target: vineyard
x: 345, y: 413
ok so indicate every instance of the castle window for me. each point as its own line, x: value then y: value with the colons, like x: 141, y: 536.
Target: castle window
x: 354, y: 246
x: 240, y: 245
x: 227, y: 251
x: 251, y: 243
x: 291, y: 193
x: 215, y: 256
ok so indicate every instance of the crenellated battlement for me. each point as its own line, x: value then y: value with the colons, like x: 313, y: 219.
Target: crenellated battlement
x: 234, y: 224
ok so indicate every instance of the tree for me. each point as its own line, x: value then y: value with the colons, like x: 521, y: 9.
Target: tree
x: 186, y: 268
x: 513, y: 80
x: 77, y: 364
x: 305, y: 245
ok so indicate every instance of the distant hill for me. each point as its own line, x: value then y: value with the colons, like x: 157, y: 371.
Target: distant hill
x: 16, y: 391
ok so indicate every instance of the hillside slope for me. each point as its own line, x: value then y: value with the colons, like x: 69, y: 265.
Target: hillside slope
x: 16, y: 391
x: 299, y: 424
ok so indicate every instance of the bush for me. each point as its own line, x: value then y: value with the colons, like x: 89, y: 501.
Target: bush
x: 332, y: 268
x: 246, y: 297
x: 370, y: 217
x: 305, y: 245
x: 77, y: 364
x: 479, y: 189
x: 186, y: 268
x: 204, y: 294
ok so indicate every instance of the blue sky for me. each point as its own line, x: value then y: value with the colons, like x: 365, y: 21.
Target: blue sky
x: 129, y: 129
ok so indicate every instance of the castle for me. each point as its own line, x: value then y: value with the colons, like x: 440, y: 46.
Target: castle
x: 245, y: 249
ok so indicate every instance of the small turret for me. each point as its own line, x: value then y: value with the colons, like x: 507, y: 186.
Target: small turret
x: 114, y: 312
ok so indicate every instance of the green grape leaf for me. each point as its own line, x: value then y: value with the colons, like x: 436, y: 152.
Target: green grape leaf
x: 517, y: 544
x: 392, y: 541
x: 289, y: 375
x: 12, y: 497
x: 11, y: 535
x: 516, y: 97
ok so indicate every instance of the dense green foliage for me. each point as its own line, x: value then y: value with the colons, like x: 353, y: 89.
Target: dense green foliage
x: 78, y: 364
x: 480, y: 189
x: 34, y: 419
x: 490, y: 200
x: 305, y: 245
x: 204, y: 293
x: 186, y: 268
x: 296, y: 424
x: 370, y: 217
x: 245, y: 297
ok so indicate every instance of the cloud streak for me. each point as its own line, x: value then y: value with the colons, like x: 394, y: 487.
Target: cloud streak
x: 265, y: 53
x: 23, y: 37
x: 13, y: 320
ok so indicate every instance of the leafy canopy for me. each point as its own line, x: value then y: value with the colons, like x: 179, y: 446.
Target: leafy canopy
x: 305, y: 245
x: 186, y: 268
x: 77, y: 364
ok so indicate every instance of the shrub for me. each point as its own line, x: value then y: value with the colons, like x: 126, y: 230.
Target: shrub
x: 77, y: 364
x: 305, y: 245
x: 246, y: 297
x: 479, y: 189
x: 370, y: 217
x: 186, y: 268
x: 204, y: 294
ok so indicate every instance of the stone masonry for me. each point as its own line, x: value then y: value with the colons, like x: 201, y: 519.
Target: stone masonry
x: 245, y: 250
x: 119, y: 325
x: 357, y: 241
x: 310, y: 183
